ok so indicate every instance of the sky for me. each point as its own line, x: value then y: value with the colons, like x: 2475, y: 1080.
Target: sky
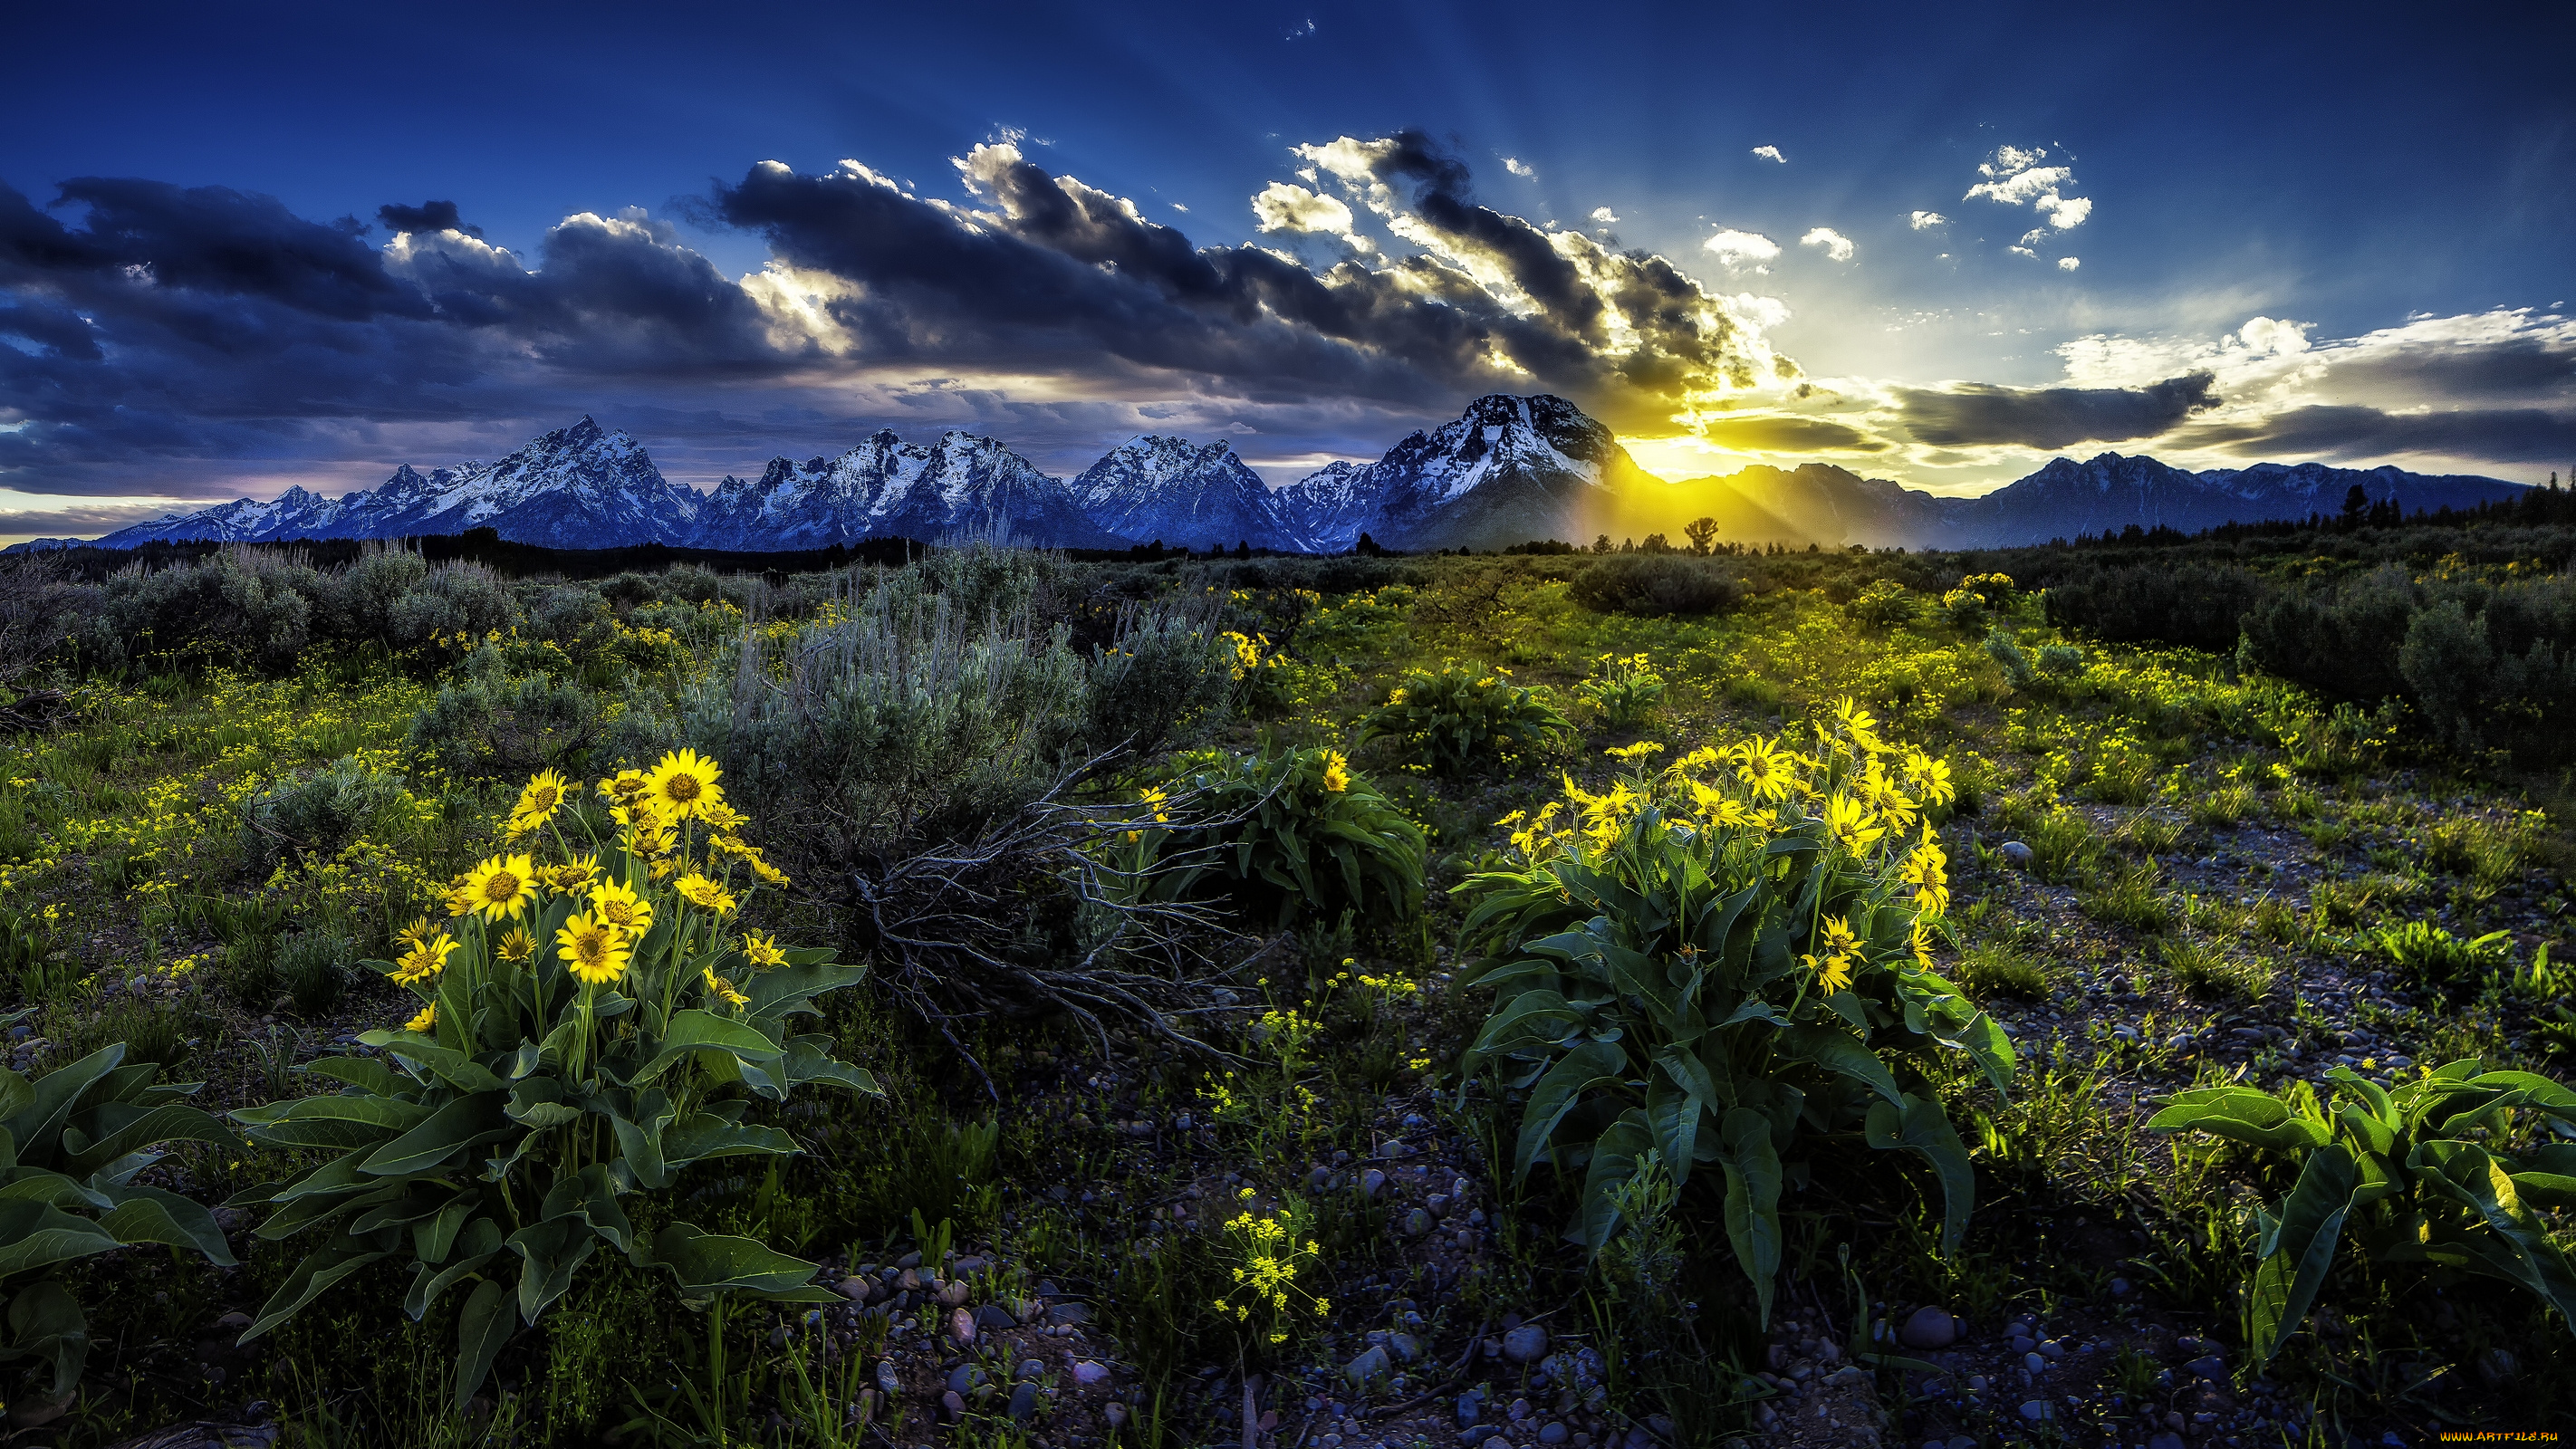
x: 243, y: 248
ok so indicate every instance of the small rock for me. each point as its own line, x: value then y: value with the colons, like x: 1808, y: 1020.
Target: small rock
x: 1929, y: 1328
x: 968, y: 1265
x: 1114, y: 1414
x: 1372, y: 1182
x: 854, y: 1289
x: 1525, y: 1344
x: 1416, y: 1223
x: 909, y: 1260
x: 951, y: 1294
x: 961, y: 1326
x: 233, y: 1322
x: 1519, y: 1410
x: 2052, y: 1350
x: 1085, y: 1371
x: 2165, y: 1441
x: 1368, y: 1366
x: 1849, y: 1373
x: 887, y: 1383
x: 995, y: 1316
x: 1470, y: 1408
x: 1404, y: 1346
x: 964, y: 1378
x: 1024, y: 1401
x: 2497, y: 1366
x: 1553, y: 1432
x: 2212, y: 1368
x: 2037, y: 1409
x: 2015, y: 854
x: 2023, y: 1343
x: 2033, y: 1362
x: 955, y: 1403
x: 1976, y: 1383
x: 2119, y: 1287
x: 1498, y: 1442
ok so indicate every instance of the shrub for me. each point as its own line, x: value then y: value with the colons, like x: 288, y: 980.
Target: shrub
x: 79, y: 1136
x: 1625, y: 688
x: 1972, y: 605
x: 2195, y: 606
x: 2403, y: 1173
x: 1461, y: 720
x: 1654, y: 585
x: 1884, y: 604
x: 318, y: 812
x: 487, y: 725
x: 1294, y: 833
x: 582, y: 1038
x: 1690, y: 966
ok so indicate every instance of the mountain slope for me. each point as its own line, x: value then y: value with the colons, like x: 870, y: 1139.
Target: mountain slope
x: 1183, y: 494
x: 1507, y: 470
x: 886, y: 488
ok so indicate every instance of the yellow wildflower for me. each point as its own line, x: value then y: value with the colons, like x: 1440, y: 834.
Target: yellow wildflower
x: 723, y: 990
x: 538, y: 802
x: 518, y: 946
x: 595, y: 951
x: 572, y: 877
x: 762, y: 950
x: 426, y: 1022
x: 502, y: 887
x: 1337, y: 772
x: 1766, y: 770
x: 684, y: 784
x: 702, y: 892
x: 622, y: 908
x: 426, y: 958
x: 1851, y: 823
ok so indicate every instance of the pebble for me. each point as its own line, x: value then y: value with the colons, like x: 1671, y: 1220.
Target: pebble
x: 994, y: 1315
x: 1115, y: 1413
x: 961, y: 1326
x: 1525, y: 1344
x: 1553, y: 1432
x: 954, y: 1403
x: 964, y: 1377
x: 1930, y: 1328
x: 854, y: 1289
x: 1087, y: 1372
x: 887, y: 1383
x: 2033, y: 1362
x: 1372, y: 1182
x: 1370, y: 1365
x: 1024, y: 1401
x: 2036, y: 1409
x: 2165, y: 1441
x: 2015, y: 853
x: 1416, y: 1223
x: 2212, y: 1368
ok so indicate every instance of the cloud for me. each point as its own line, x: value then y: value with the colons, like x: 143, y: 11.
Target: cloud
x: 2068, y: 264
x: 1973, y: 414
x: 2023, y: 252
x: 1518, y: 167
x: 1602, y: 214
x: 1788, y: 433
x: 2522, y: 435
x: 2064, y: 213
x: 1770, y: 153
x: 2023, y: 186
x: 1281, y: 206
x: 428, y: 216
x: 1735, y: 248
x: 1838, y: 247
x: 1922, y: 219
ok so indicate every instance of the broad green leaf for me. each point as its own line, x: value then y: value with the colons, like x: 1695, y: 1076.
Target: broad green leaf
x: 171, y: 1123
x: 1841, y: 1053
x: 52, y: 1097
x: 310, y: 1280
x: 152, y: 1215
x: 364, y: 1073
x: 702, y: 1135
x: 45, y: 1321
x: 2299, y: 1249
x: 1672, y: 1118
x: 39, y: 1235
x: 705, y: 1264
x: 481, y: 1329
x: 704, y: 1031
x: 1556, y: 1093
x: 1920, y: 1126
x: 1615, y: 1154
x: 1752, y: 1169
x: 447, y: 1064
x: 460, y: 1124
x: 2241, y: 1114
x: 477, y: 1244
x: 343, y: 1121
x: 589, y: 1197
x: 554, y: 1250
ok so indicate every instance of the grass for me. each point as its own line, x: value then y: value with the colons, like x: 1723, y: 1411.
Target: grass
x: 2131, y: 897
x: 2204, y: 968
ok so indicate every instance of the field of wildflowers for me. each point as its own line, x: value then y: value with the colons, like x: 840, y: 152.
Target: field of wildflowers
x: 1363, y: 1001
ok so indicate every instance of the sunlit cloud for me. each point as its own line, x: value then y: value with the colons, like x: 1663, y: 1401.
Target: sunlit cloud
x: 1922, y: 219
x: 1770, y: 153
x: 1838, y: 247
x: 1603, y: 215
x: 2068, y: 264
x: 1735, y: 248
x: 1518, y: 167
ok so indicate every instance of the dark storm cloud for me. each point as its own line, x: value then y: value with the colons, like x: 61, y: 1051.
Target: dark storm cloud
x: 2521, y: 435
x: 2523, y: 367
x: 1790, y: 434
x: 1971, y: 414
x: 428, y: 216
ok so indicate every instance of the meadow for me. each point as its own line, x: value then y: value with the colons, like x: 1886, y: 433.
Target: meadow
x: 1629, y: 999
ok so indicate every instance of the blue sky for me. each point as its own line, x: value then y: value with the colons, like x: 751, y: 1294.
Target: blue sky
x: 2337, y: 233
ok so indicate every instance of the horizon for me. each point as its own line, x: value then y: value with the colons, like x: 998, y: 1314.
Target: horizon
x: 266, y: 278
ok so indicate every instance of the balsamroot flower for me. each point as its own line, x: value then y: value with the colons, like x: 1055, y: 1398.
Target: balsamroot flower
x: 426, y: 958
x: 723, y: 990
x: 595, y: 951
x: 426, y: 1022
x: 684, y: 785
x: 537, y: 803
x: 699, y: 891
x: 518, y: 947
x: 762, y: 950
x: 501, y: 887
x: 1337, y: 772
x: 1851, y: 823
x: 630, y: 913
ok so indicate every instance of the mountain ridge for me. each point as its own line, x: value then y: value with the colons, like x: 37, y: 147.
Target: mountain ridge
x: 1507, y: 470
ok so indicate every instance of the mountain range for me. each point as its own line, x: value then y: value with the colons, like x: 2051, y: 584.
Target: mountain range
x: 1508, y: 470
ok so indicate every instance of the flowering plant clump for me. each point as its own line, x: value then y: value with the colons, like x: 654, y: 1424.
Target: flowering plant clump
x: 1719, y: 961
x: 1268, y: 1253
x: 1288, y: 833
x: 1463, y: 719
x: 1625, y: 688
x: 592, y: 1020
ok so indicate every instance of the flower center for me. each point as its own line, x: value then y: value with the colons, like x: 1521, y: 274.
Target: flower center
x: 683, y: 788
x: 501, y: 886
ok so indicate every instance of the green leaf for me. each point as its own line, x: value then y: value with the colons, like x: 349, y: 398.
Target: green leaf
x: 152, y: 1215
x: 37, y: 1125
x: 38, y: 1235
x: 45, y: 1321
x: 460, y: 1124
x: 789, y: 989
x: 365, y: 1073
x: 1615, y: 1153
x: 1672, y: 1116
x: 702, y: 1135
x: 1556, y: 1094
x: 2298, y: 1250
x: 1752, y: 1169
x: 1841, y: 1053
x: 554, y: 1251
x: 2241, y: 1114
x: 590, y: 1197
x: 342, y: 1121
x: 705, y: 1264
x: 477, y: 1244
x: 1920, y: 1126
x: 311, y: 1279
x: 703, y: 1031
x: 446, y: 1064
x: 481, y: 1329
x: 171, y: 1123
